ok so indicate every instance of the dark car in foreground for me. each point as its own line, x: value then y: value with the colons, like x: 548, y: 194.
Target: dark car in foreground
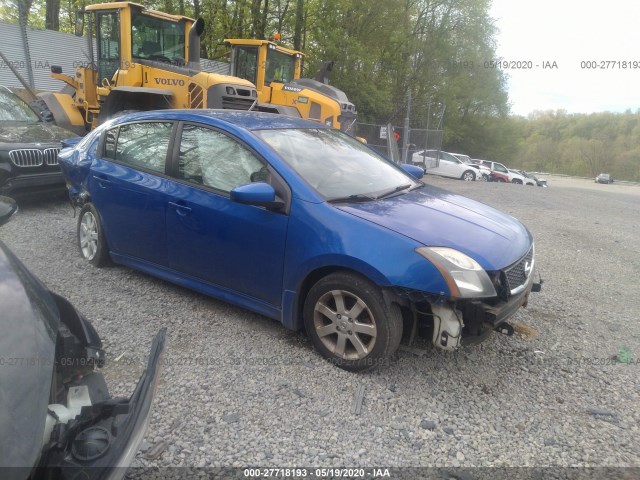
x: 28, y: 149
x: 301, y: 223
x: 57, y: 419
x: 604, y: 178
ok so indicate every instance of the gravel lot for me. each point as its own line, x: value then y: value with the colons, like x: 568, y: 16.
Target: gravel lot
x: 240, y: 390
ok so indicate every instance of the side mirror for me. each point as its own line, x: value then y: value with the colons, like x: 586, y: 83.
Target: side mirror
x: 71, y: 142
x: 414, y: 171
x: 8, y: 207
x: 260, y: 194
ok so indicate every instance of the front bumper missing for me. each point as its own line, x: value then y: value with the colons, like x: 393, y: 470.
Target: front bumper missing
x: 478, y: 317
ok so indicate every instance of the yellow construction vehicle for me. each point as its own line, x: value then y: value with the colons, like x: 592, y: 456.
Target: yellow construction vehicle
x: 145, y: 60
x: 275, y: 71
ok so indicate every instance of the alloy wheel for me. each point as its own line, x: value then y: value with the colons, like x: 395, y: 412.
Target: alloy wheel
x: 88, y: 235
x: 345, y: 325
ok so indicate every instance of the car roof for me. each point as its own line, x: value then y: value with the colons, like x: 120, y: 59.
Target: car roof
x: 240, y: 118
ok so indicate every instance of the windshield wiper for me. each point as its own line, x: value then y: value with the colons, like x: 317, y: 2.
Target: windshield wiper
x: 358, y: 197
x: 397, y: 189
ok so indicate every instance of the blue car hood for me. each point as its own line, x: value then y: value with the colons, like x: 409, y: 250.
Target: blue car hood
x: 436, y: 217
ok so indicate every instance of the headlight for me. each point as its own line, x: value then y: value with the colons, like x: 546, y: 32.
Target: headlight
x: 464, y: 276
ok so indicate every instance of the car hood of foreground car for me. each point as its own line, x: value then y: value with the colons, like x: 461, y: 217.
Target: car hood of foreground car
x: 37, y: 132
x: 436, y: 217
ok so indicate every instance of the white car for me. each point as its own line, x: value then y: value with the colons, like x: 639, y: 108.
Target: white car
x: 517, y: 177
x: 437, y: 162
x: 484, y: 171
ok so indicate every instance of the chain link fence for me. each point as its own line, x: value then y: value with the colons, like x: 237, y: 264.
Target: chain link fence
x: 419, y: 139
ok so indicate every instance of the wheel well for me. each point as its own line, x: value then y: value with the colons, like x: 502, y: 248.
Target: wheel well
x: 313, y: 277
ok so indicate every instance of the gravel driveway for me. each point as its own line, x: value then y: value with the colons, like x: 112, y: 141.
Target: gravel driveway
x: 239, y: 389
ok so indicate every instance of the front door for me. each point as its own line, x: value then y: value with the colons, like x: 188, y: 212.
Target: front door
x: 236, y: 246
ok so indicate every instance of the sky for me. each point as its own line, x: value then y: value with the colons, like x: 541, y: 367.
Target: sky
x: 570, y: 32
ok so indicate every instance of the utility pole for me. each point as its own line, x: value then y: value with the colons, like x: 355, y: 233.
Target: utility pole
x: 405, y: 137
x: 426, y: 137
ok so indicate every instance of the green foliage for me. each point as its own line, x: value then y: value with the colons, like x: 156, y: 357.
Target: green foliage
x: 580, y: 144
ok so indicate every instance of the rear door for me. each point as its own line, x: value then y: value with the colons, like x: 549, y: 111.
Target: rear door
x: 129, y: 185
x: 210, y: 237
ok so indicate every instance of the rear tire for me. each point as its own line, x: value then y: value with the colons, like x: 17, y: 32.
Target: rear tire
x: 93, y: 246
x: 349, y: 322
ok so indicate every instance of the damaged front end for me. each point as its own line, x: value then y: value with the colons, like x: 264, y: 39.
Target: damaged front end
x: 481, y: 301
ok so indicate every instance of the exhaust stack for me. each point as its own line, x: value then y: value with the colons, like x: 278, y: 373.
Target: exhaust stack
x: 194, y: 44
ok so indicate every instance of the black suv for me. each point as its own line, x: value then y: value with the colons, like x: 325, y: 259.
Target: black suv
x: 28, y: 149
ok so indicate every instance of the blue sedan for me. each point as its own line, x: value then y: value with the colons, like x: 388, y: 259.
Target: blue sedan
x: 298, y: 222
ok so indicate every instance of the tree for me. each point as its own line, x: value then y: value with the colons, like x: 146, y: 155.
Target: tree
x: 52, y: 20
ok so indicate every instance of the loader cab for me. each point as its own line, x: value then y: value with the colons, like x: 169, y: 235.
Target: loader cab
x: 127, y: 33
x: 262, y: 62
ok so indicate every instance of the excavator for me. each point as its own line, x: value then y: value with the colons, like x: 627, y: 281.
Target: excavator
x: 275, y: 71
x: 145, y: 60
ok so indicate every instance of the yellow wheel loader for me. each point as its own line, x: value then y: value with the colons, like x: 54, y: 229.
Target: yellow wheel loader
x: 275, y: 71
x: 144, y: 60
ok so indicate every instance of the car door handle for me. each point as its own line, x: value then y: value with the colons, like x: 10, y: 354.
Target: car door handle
x: 102, y: 182
x: 181, y: 209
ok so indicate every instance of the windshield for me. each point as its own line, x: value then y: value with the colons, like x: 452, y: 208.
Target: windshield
x: 280, y: 67
x: 13, y: 109
x: 156, y: 39
x: 335, y: 164
x: 245, y: 62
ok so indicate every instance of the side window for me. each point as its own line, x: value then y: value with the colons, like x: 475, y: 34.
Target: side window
x: 210, y: 158
x: 108, y: 39
x: 501, y: 168
x: 143, y: 145
x: 110, y: 143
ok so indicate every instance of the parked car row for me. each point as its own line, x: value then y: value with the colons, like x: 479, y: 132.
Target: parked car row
x: 458, y: 165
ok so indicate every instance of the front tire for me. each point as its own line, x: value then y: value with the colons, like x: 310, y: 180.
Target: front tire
x: 468, y: 176
x: 93, y: 246
x: 349, y: 322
